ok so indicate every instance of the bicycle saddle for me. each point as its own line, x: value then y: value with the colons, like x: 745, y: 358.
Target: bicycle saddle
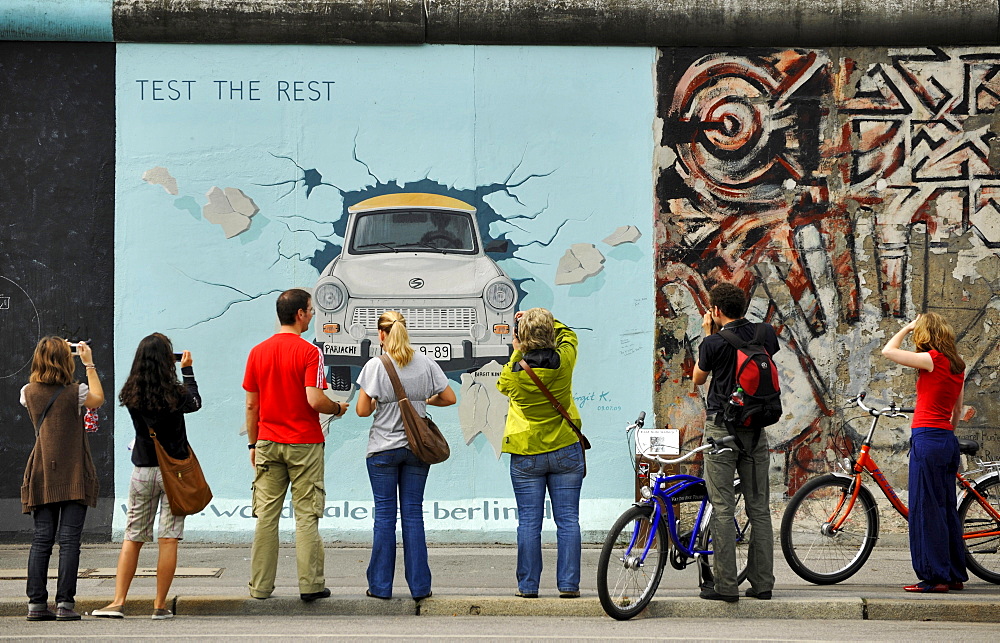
x: 968, y: 447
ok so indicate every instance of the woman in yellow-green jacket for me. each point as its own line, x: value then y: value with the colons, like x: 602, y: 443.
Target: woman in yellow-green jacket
x: 545, y: 452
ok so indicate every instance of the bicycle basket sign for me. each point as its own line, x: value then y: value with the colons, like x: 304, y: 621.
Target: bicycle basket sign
x: 657, y: 442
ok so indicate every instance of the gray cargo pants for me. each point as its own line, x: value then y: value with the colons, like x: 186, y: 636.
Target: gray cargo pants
x: 720, y: 471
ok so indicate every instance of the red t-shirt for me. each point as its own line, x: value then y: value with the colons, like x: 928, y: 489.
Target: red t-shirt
x: 937, y: 392
x: 279, y: 369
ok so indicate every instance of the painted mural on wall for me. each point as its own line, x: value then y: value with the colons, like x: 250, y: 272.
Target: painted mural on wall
x: 456, y: 184
x: 848, y: 191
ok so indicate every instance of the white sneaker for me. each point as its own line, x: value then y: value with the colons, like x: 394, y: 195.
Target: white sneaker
x: 162, y: 614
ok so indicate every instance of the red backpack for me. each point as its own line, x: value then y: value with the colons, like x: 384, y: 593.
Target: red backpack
x: 756, y: 398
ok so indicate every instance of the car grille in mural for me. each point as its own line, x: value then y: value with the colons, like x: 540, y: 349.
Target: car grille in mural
x: 848, y: 193
x: 421, y: 318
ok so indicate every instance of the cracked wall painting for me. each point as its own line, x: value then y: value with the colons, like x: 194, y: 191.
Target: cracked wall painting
x: 427, y: 182
x: 848, y: 191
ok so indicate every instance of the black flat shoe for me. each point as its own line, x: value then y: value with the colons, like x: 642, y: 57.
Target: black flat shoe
x: 712, y: 595
x: 309, y: 598
x: 761, y: 596
x: 520, y: 594
x: 384, y: 598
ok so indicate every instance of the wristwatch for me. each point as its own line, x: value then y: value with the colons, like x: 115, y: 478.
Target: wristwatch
x: 252, y: 446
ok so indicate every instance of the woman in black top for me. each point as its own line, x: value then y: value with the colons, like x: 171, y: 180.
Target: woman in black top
x: 156, y: 400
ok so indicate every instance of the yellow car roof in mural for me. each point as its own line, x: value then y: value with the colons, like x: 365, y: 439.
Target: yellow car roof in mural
x: 410, y: 200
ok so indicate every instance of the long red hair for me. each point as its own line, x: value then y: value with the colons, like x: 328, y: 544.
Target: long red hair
x: 932, y: 332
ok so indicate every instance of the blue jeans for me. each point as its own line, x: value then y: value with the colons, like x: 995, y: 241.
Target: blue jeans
x: 561, y: 471
x: 389, y: 471
x: 62, y: 521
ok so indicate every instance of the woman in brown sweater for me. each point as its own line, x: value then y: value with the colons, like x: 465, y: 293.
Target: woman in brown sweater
x: 60, y: 481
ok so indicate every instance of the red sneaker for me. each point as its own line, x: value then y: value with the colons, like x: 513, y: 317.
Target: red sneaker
x: 957, y: 585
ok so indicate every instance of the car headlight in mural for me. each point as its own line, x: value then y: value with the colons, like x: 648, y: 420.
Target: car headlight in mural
x: 500, y: 295
x: 420, y: 254
x: 330, y: 296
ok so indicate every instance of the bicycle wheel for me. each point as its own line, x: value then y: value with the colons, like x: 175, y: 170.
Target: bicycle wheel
x: 982, y: 554
x: 625, y: 582
x: 742, y: 536
x: 812, y: 549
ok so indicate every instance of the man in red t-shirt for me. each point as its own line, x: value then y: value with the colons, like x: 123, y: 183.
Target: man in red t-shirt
x: 284, y: 385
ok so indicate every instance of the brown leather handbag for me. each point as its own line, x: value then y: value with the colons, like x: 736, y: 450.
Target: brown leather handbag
x: 183, y: 480
x: 425, y: 438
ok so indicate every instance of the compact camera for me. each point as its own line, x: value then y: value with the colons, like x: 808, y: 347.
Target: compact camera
x: 74, y: 345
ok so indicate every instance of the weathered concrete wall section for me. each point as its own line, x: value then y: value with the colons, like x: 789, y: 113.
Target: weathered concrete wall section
x: 264, y: 21
x: 720, y: 22
x: 75, y: 20
x: 57, y: 242
x: 848, y: 190
x: 727, y: 23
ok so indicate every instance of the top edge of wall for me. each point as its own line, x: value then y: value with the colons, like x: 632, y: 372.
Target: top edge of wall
x: 511, y: 22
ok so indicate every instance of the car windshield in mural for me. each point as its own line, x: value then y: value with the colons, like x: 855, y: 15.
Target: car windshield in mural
x: 420, y: 254
x: 414, y: 230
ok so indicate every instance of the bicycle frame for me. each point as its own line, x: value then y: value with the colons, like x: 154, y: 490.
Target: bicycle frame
x: 663, y: 499
x: 866, y: 464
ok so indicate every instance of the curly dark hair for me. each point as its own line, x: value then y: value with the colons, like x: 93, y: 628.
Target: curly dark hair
x: 152, y: 384
x: 730, y: 300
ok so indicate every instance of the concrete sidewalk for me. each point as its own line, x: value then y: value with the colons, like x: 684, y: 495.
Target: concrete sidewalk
x: 480, y: 580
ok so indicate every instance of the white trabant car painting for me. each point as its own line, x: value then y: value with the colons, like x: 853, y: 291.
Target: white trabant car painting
x: 420, y: 254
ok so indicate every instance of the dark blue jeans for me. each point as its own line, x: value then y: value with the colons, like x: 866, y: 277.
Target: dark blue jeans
x: 561, y: 472
x: 62, y: 520
x: 936, y: 546
x: 392, y: 471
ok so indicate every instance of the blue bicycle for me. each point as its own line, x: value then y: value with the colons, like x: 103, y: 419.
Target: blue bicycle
x: 652, y: 531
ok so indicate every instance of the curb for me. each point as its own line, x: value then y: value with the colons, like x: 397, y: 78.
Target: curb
x: 848, y: 608
x: 887, y: 609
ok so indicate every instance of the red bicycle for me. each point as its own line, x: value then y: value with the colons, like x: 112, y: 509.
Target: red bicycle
x: 830, y: 526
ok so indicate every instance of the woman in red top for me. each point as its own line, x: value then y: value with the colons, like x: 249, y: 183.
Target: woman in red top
x: 936, y: 546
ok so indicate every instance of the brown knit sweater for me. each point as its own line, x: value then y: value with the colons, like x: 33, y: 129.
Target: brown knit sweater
x: 60, y: 467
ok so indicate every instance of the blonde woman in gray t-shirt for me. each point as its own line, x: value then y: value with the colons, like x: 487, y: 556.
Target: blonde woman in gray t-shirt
x: 393, y: 470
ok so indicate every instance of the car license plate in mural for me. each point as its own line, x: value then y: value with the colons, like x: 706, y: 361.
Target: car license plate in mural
x: 439, y: 352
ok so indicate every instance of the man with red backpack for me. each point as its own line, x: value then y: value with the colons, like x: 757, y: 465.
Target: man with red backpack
x: 743, y: 398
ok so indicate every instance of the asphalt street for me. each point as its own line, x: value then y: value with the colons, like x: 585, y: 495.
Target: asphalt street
x: 493, y: 628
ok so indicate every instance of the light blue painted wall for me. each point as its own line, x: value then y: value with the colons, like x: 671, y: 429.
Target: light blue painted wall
x: 56, y: 20
x: 460, y: 116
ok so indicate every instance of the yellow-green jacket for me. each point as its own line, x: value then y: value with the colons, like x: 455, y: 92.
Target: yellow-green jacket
x: 533, y: 424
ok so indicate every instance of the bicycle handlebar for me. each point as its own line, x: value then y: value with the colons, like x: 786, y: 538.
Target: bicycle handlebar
x: 714, y: 446
x: 890, y: 411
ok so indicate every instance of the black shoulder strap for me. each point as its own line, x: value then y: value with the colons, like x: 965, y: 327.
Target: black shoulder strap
x: 732, y: 338
x: 759, y: 335
x: 41, y: 418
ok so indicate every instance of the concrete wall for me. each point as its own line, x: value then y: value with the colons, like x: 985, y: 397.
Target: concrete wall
x: 57, y: 173
x: 848, y: 190
x: 532, y: 22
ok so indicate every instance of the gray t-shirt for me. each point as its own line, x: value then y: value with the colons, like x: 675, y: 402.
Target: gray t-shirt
x: 421, y: 379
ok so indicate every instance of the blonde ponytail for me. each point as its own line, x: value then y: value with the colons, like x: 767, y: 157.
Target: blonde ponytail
x: 397, y: 339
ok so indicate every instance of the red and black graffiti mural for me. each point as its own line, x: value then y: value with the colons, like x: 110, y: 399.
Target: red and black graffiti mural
x: 845, y: 191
